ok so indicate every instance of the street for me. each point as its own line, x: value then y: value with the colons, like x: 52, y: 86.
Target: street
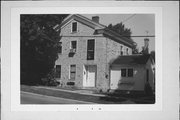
x: 31, y: 98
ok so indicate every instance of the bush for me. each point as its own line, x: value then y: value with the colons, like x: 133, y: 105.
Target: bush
x: 70, y: 83
x: 50, y: 79
x: 148, y: 90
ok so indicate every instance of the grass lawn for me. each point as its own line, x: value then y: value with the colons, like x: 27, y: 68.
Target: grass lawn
x: 108, y: 99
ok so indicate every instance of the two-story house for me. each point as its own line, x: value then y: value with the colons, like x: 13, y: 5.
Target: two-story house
x: 87, y: 47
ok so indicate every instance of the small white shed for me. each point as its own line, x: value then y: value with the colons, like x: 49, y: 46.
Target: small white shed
x: 132, y: 72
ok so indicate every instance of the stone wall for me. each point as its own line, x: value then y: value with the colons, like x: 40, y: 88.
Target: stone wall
x: 105, y: 50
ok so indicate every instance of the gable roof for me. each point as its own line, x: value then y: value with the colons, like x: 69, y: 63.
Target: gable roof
x: 82, y: 19
x: 132, y: 59
x: 99, y: 28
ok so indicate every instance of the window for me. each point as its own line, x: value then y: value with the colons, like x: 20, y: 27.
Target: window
x: 147, y: 75
x: 90, y: 49
x: 130, y: 72
x: 72, y: 72
x: 121, y: 50
x: 59, y: 47
x: 73, y: 46
x: 74, y: 27
x: 123, y: 72
x: 127, y: 72
x: 127, y: 51
x: 58, y: 71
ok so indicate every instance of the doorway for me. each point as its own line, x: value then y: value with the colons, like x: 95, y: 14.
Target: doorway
x: 89, y: 75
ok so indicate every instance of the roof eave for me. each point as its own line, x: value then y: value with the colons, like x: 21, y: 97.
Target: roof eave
x: 82, y: 19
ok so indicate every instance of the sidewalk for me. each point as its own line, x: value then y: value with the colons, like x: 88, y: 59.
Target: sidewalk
x: 78, y: 91
x: 69, y: 94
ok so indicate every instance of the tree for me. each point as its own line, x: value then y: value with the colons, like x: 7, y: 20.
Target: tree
x: 125, y: 32
x: 134, y: 49
x: 153, y: 55
x: 38, y: 46
x: 120, y: 28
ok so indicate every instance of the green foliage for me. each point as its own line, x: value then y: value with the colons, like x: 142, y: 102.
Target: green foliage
x: 49, y: 79
x: 134, y: 49
x: 38, y: 46
x: 148, y: 90
x: 125, y: 32
x: 120, y: 28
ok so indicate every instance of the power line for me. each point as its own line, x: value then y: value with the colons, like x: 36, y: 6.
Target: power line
x: 103, y: 36
x: 128, y: 18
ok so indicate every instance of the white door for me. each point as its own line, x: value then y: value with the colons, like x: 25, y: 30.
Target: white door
x: 89, y: 76
x: 115, y: 77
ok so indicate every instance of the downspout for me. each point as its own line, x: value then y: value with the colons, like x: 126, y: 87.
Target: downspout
x: 107, y: 68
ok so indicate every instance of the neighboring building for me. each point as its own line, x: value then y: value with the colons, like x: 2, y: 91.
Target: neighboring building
x: 131, y: 73
x: 86, y: 49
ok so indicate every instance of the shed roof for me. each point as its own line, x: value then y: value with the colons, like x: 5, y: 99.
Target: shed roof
x: 132, y: 59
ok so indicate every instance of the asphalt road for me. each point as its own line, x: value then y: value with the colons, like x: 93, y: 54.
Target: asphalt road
x: 31, y: 98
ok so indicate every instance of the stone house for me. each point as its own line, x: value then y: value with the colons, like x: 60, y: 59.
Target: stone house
x: 86, y: 49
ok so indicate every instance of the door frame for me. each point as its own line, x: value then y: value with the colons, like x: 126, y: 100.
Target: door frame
x: 84, y: 67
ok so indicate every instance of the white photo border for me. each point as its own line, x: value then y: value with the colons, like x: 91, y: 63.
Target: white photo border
x: 15, y: 62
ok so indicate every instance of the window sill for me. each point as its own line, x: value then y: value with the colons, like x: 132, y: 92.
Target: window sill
x: 74, y: 32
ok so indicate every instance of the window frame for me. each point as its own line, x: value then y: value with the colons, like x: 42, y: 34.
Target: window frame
x: 59, y: 46
x: 89, y: 51
x: 59, y: 73
x: 121, y: 50
x: 122, y: 69
x: 72, y: 27
x: 129, y: 72
x: 71, y: 45
x: 72, y: 72
x: 127, y: 51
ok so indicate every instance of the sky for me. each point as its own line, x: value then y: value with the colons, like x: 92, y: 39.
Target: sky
x: 138, y: 23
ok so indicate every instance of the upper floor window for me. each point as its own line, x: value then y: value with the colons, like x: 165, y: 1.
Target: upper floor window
x: 121, y: 50
x: 90, y: 49
x: 59, y: 47
x: 73, y: 46
x: 74, y: 27
x: 127, y: 51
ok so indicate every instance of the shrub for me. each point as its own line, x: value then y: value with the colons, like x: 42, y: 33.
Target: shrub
x: 49, y: 79
x: 148, y: 90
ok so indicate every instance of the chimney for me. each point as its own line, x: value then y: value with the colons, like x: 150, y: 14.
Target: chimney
x: 95, y: 19
x: 146, y: 45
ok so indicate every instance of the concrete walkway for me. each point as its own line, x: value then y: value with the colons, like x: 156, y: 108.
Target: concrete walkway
x: 82, y: 91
